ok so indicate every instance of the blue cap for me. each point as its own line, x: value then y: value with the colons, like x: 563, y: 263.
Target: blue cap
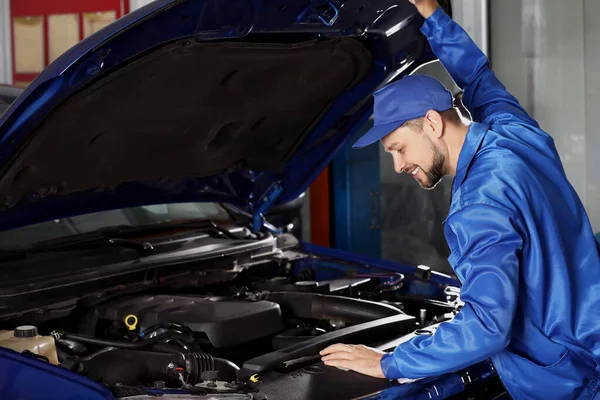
x: 409, y: 98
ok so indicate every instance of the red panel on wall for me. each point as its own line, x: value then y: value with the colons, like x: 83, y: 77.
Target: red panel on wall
x: 44, y: 7
x: 320, y: 219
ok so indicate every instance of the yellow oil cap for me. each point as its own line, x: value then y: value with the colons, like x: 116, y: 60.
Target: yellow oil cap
x: 131, y: 321
x: 254, y: 378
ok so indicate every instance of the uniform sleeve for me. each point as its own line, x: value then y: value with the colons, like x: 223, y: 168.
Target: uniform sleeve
x: 489, y: 268
x: 484, y: 95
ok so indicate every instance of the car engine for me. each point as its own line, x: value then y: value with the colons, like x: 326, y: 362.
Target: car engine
x: 219, y: 332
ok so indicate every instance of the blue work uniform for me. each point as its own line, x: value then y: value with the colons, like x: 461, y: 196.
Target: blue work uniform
x: 521, y: 245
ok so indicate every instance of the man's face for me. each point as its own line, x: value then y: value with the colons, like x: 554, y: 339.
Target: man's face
x: 416, y: 153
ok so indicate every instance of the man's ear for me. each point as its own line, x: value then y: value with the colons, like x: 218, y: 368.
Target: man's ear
x: 433, y: 123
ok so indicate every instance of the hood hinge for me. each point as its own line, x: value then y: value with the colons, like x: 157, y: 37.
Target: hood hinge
x: 326, y: 11
x: 323, y: 11
x: 265, y: 203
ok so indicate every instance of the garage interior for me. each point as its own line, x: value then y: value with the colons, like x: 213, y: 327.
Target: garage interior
x: 546, y: 53
x: 359, y: 202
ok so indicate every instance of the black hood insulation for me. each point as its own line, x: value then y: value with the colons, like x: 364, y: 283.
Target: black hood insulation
x: 188, y: 109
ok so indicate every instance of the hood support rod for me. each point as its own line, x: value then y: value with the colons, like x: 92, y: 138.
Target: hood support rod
x: 266, y: 202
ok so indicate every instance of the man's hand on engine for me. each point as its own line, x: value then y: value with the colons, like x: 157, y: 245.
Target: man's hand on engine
x: 358, y: 358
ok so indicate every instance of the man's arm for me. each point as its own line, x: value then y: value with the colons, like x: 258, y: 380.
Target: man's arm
x: 484, y: 95
x: 489, y: 266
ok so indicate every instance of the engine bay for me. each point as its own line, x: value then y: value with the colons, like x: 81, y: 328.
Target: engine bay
x: 234, y: 333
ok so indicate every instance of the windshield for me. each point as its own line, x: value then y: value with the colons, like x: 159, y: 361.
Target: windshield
x: 135, y: 216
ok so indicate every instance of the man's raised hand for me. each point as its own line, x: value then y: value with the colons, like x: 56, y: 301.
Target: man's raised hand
x: 426, y: 7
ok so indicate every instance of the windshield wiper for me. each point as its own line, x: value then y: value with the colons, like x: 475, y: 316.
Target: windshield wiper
x: 43, y: 247
x: 91, y: 241
x: 104, y: 236
x: 204, y: 226
x: 113, y: 235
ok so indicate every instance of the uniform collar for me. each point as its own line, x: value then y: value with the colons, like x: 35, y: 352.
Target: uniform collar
x: 473, y: 140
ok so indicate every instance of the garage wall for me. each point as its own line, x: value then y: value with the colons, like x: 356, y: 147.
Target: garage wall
x: 547, y: 53
x: 591, y: 36
x: 5, y: 52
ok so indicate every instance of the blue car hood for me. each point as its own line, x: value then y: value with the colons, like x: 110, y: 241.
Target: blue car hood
x: 235, y: 101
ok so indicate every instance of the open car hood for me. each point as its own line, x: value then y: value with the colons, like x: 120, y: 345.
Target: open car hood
x: 201, y: 100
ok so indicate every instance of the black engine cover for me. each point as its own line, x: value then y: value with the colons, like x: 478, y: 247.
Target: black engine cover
x: 226, y: 321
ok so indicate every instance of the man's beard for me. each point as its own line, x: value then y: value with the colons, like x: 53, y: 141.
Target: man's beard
x: 436, y: 172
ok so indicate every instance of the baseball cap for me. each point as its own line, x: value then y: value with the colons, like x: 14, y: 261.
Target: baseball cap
x: 408, y: 98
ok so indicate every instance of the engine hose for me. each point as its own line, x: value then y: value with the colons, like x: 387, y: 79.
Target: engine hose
x: 324, y: 307
x: 175, y: 346
x: 72, y: 346
x: 167, y: 326
x: 204, y: 364
x: 142, y: 344
x: 62, y: 354
x: 227, y: 369
x: 130, y: 367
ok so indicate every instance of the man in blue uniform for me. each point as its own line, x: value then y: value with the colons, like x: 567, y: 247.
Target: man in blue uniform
x: 521, y: 242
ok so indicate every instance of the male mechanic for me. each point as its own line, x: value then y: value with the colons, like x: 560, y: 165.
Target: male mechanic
x: 521, y: 242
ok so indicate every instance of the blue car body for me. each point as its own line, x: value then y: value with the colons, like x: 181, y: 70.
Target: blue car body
x: 43, y: 179
x: 389, y: 30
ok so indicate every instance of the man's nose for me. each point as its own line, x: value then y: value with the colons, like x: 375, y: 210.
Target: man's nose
x: 399, y: 164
